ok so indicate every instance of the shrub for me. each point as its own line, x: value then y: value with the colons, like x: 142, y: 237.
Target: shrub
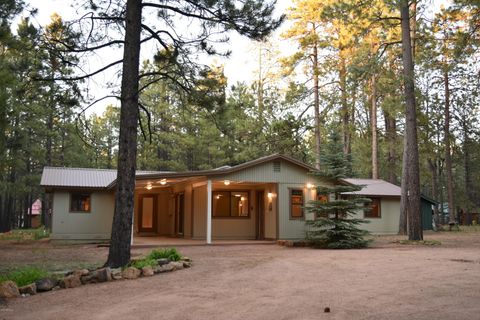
x: 139, y: 264
x: 24, y: 275
x: 170, y: 253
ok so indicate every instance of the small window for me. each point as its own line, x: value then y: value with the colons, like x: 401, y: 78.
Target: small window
x: 374, y: 211
x: 296, y: 203
x: 230, y: 204
x: 322, y: 198
x: 80, y: 202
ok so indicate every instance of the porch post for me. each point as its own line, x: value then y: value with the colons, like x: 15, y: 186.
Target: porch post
x: 209, y: 211
x: 133, y: 221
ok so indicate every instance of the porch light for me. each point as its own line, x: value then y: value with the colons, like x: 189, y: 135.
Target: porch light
x: 149, y: 186
x: 163, y: 182
x: 226, y: 182
x: 270, y: 196
x: 310, y: 186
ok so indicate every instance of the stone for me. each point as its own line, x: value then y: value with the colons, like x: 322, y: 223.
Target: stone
x: 46, y: 284
x: 103, y: 274
x: 116, y: 273
x: 99, y: 275
x: 29, y: 289
x: 131, y: 273
x: 168, y: 267
x: 71, y: 281
x: 163, y: 261
x: 80, y: 272
x: 177, y: 265
x: 158, y: 269
x: 147, y: 271
x: 9, y: 289
x: 89, y: 278
x: 186, y: 259
x: 187, y: 264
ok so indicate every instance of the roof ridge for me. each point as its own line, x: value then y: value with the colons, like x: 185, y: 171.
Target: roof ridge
x: 78, y: 168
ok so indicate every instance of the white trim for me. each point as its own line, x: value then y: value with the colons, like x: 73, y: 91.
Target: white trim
x: 209, y: 211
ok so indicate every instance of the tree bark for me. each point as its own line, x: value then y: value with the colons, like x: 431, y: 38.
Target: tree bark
x: 391, y: 136
x: 448, y: 156
x: 411, y: 170
x: 373, y: 119
x: 345, y: 114
x: 432, y: 164
x: 316, y: 106
x: 119, y: 252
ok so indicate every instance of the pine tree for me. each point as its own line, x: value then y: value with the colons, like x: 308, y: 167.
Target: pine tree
x: 334, y: 226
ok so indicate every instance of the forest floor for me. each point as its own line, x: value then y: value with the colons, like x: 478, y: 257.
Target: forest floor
x: 387, y: 281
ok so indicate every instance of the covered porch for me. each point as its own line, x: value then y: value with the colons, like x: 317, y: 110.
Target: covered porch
x: 174, y: 209
x: 153, y: 242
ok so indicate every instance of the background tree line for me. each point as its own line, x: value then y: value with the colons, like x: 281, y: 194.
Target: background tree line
x: 346, y: 75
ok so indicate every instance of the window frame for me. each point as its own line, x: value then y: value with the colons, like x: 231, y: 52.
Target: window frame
x: 230, y: 204
x: 72, y: 193
x: 290, y: 204
x: 379, y: 206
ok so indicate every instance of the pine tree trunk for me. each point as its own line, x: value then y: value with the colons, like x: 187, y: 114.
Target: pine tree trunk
x: 411, y: 170
x: 373, y: 117
x: 391, y: 136
x: 448, y: 156
x: 432, y: 164
x: 345, y: 114
x: 316, y: 106
x: 119, y: 252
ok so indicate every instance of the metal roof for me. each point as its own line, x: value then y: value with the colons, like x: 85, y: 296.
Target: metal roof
x: 81, y: 177
x: 375, y: 187
x: 61, y: 177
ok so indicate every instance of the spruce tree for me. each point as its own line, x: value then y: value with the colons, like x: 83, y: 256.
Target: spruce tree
x: 334, y: 225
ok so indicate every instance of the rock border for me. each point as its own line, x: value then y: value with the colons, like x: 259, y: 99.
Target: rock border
x: 77, y: 278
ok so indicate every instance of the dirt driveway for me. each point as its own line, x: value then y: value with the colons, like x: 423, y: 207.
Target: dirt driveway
x: 388, y: 281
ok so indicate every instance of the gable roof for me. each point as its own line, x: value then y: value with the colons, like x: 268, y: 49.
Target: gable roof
x: 375, y: 187
x: 61, y: 177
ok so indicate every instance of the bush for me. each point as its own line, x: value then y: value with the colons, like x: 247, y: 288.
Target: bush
x: 170, y: 253
x: 151, y: 259
x: 139, y: 264
x: 24, y: 275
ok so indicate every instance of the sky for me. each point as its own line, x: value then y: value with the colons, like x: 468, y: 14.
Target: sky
x: 240, y: 66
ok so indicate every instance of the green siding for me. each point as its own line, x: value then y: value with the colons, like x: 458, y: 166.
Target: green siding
x: 426, y: 214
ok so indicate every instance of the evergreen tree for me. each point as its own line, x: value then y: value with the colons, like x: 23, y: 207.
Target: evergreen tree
x: 335, y: 225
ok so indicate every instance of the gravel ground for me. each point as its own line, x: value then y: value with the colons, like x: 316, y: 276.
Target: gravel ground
x: 387, y: 281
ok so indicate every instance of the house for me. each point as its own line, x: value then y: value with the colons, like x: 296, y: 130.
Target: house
x: 259, y: 199
x: 34, y: 212
x: 384, y: 216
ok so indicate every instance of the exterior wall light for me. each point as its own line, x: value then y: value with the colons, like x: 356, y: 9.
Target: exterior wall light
x: 226, y: 182
x: 310, y: 185
x: 149, y: 186
x: 163, y: 182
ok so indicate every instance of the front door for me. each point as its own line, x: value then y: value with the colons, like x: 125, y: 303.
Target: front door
x: 179, y: 214
x: 260, y: 215
x: 147, y: 217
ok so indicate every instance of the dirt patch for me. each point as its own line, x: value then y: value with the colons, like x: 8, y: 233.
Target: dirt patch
x: 387, y: 281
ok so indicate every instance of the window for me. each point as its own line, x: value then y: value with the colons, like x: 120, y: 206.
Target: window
x: 374, y: 211
x: 296, y: 203
x: 230, y: 204
x: 79, y: 202
x: 322, y: 198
